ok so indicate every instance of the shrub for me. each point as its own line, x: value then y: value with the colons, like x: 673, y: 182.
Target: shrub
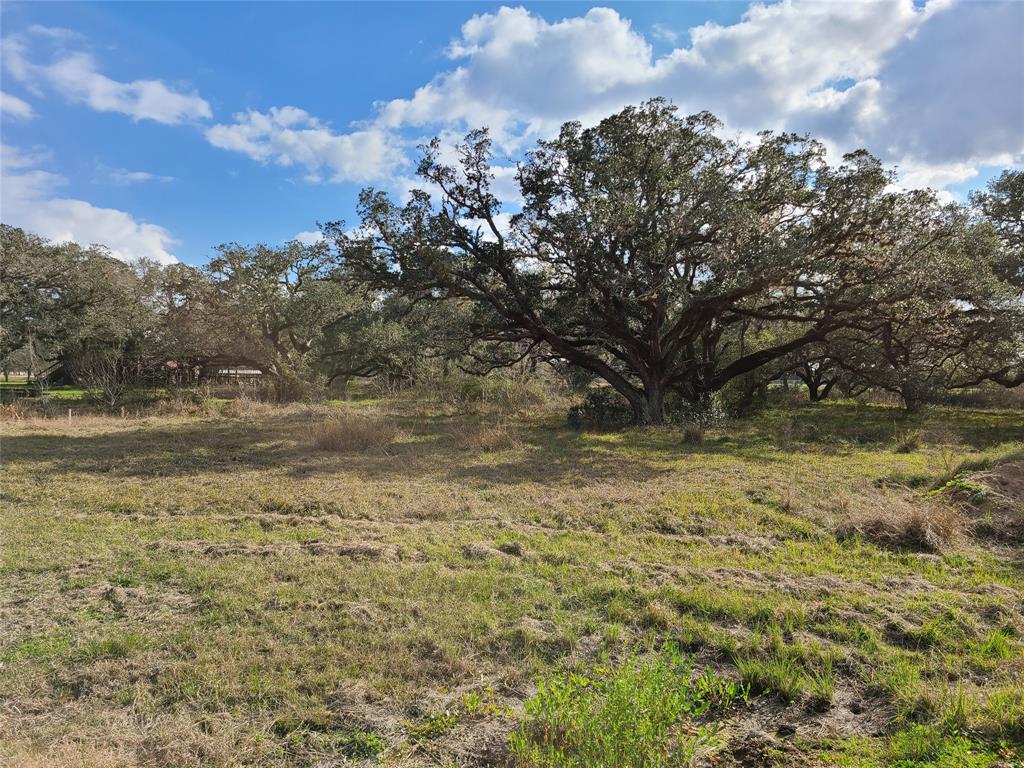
x: 184, y: 402
x: 693, y: 435
x: 601, y: 407
x: 354, y: 433
x: 908, y: 442
x: 605, y: 408
x: 743, y: 397
x: 706, y: 413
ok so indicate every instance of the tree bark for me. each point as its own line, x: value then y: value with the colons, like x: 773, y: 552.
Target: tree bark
x: 648, y: 405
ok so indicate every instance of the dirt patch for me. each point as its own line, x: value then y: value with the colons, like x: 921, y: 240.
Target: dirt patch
x: 1006, y: 481
x: 481, y: 743
x: 513, y: 548
x: 768, y: 733
x: 995, y: 498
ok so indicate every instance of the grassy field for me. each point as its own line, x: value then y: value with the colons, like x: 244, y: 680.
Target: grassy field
x: 404, y: 584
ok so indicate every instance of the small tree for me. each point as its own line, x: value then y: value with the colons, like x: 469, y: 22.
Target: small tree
x: 106, y: 373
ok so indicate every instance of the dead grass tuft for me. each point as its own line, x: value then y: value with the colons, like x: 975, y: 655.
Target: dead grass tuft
x: 487, y: 438
x: 247, y: 408
x: 354, y: 433
x: 902, y: 522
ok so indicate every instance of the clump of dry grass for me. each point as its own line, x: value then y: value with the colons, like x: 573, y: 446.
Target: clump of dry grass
x: 487, y: 438
x: 354, y: 433
x: 693, y: 434
x: 902, y: 522
x: 27, y: 408
x: 908, y: 442
x: 184, y: 406
x: 247, y: 408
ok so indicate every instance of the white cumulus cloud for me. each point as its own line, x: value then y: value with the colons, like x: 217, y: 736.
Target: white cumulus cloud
x: 290, y: 136
x: 27, y: 197
x: 937, y: 89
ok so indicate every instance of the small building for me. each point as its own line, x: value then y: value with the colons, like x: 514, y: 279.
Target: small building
x: 229, y: 368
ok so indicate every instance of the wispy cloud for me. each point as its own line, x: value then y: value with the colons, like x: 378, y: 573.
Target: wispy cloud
x: 75, y: 75
x: 12, y: 106
x: 124, y: 177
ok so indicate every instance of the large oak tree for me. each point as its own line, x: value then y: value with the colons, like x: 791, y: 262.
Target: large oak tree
x: 644, y: 244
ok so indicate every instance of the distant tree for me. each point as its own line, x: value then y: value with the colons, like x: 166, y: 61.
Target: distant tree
x: 819, y: 371
x: 645, y: 242
x: 997, y: 354
x: 75, y: 302
x: 389, y: 335
x: 273, y: 305
x: 1002, y: 206
x: 32, y: 274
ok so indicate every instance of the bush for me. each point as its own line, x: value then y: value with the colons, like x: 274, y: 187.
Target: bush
x: 743, y: 397
x: 706, y: 413
x: 605, y: 408
x: 354, y: 433
x: 486, y: 438
x: 601, y: 407
x: 185, y: 402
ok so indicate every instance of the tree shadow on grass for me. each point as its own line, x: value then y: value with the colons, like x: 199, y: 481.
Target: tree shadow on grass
x: 544, y: 452
x: 148, y: 450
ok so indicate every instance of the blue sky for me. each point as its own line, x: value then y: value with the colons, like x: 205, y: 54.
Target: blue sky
x: 162, y: 130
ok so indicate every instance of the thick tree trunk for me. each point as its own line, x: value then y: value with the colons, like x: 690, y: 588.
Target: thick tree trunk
x: 649, y: 406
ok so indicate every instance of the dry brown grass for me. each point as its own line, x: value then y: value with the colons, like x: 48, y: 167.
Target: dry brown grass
x: 901, y: 522
x: 354, y: 433
x: 247, y: 408
x: 693, y: 434
x: 488, y: 438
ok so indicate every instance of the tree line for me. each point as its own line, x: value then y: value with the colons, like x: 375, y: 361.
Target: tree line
x: 648, y: 252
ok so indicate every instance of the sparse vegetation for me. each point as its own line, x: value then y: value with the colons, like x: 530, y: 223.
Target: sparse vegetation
x: 639, y: 713
x: 208, y: 587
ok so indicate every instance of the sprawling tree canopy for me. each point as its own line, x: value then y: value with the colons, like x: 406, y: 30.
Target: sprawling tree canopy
x: 646, y: 245
x: 647, y: 251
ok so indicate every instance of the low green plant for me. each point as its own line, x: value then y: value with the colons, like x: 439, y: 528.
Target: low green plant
x: 601, y: 407
x: 778, y: 675
x: 433, y: 726
x: 644, y: 712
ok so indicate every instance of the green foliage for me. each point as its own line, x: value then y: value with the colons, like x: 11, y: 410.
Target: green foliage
x: 734, y: 256
x: 326, y: 733
x: 644, y: 712
x: 433, y: 726
x: 604, y: 408
x: 601, y: 407
x: 780, y: 676
x: 926, y: 746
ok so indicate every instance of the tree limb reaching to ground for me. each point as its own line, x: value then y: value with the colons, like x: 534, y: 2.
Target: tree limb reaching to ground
x: 646, y: 242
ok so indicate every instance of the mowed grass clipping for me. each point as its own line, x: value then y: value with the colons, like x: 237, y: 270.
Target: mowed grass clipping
x: 402, y: 583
